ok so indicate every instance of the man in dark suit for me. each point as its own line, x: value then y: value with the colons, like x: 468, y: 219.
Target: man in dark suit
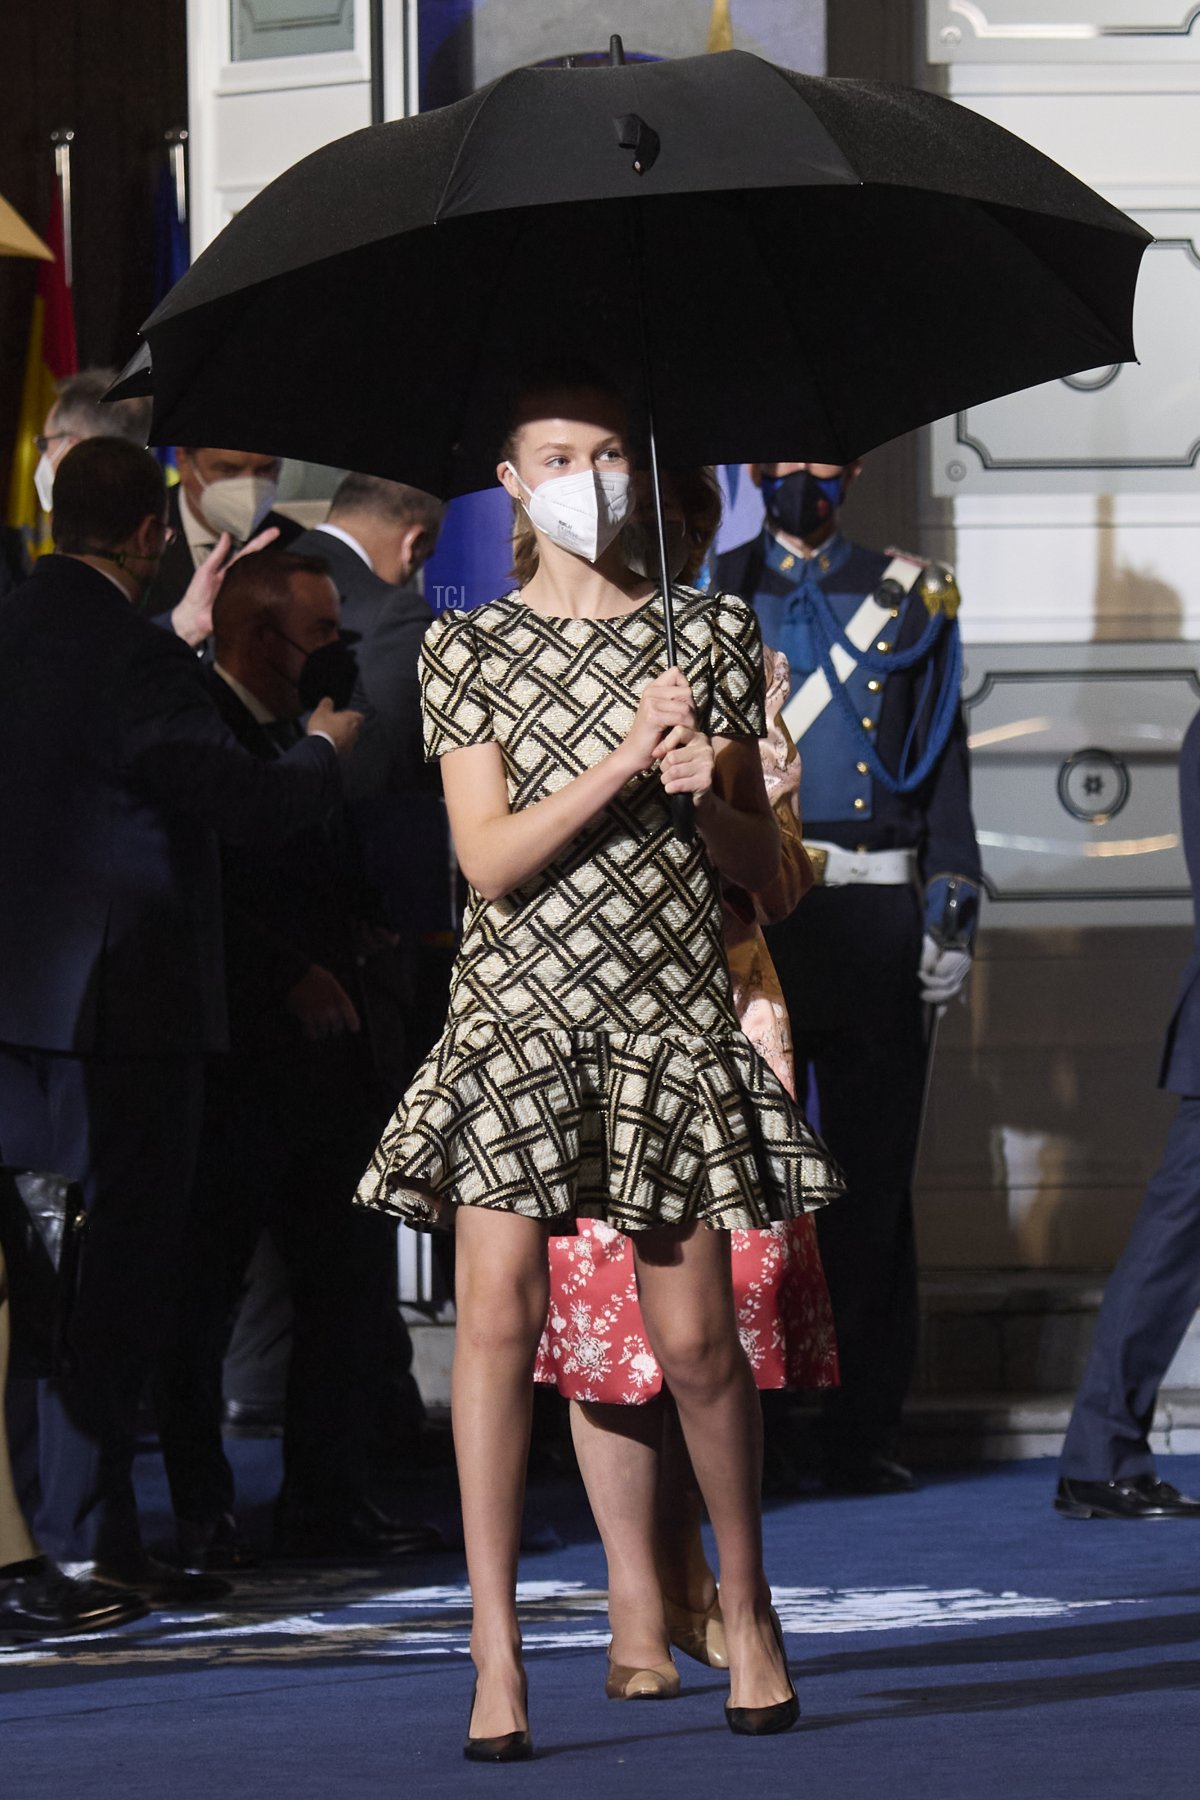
x: 292, y: 1115
x: 221, y: 494
x: 116, y: 776
x: 1107, y: 1468
x: 377, y: 536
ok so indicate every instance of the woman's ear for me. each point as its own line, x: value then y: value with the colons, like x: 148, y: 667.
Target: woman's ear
x: 508, y: 480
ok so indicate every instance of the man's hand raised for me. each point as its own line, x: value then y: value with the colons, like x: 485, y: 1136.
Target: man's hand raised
x: 341, y: 728
x: 192, y: 618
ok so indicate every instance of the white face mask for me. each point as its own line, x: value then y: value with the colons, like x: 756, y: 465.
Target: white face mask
x: 581, y: 512
x: 639, y: 547
x: 238, y: 504
x: 43, y: 481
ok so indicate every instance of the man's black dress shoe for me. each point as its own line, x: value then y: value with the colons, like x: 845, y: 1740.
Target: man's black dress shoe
x: 364, y: 1532
x: 1137, y: 1497
x: 45, y: 1602
x: 214, y: 1546
x: 162, y: 1584
x: 870, y: 1474
x: 244, y: 1418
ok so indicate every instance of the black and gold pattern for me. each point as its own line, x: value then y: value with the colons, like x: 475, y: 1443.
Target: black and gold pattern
x: 592, y: 1063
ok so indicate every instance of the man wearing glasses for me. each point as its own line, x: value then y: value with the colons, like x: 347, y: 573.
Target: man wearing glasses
x: 185, y: 602
x: 117, y: 776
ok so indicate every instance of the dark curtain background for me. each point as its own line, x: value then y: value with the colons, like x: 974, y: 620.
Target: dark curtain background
x: 115, y: 71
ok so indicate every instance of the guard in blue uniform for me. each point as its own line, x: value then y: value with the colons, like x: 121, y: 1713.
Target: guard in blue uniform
x: 884, y: 939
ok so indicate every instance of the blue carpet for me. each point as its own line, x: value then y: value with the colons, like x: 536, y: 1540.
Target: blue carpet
x: 959, y: 1643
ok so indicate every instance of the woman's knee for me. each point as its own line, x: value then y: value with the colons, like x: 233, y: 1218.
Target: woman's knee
x: 501, y: 1287
x: 699, y: 1357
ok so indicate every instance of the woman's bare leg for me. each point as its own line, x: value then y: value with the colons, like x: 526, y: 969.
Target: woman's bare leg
x: 683, y: 1572
x: 686, y: 1286
x: 617, y: 1451
x: 501, y: 1294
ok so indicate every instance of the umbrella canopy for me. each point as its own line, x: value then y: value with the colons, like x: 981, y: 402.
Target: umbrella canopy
x: 16, y: 239
x: 827, y: 263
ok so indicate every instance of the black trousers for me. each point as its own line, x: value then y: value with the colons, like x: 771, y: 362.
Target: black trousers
x: 847, y: 960
x: 285, y: 1141
x: 1149, y: 1302
x: 126, y: 1129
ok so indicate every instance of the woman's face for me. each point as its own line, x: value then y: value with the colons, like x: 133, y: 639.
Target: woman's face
x: 567, y: 434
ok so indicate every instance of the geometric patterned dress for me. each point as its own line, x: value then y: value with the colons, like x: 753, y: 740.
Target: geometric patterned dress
x: 594, y: 1347
x: 592, y: 1064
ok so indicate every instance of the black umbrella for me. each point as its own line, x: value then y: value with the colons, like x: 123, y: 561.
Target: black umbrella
x: 814, y: 266
x: 827, y: 263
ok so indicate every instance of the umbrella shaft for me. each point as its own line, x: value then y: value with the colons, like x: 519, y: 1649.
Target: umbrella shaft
x: 638, y: 259
x: 656, y: 489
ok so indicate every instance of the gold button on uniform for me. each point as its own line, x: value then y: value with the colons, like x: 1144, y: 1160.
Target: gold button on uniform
x: 862, y: 768
x: 868, y: 724
x: 873, y: 687
x: 883, y: 646
x: 860, y: 805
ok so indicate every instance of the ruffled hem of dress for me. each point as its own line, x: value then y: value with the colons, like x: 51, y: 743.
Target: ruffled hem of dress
x: 690, y: 1128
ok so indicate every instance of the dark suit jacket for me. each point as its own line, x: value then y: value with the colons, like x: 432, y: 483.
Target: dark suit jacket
x: 177, y: 568
x: 287, y: 905
x: 116, y: 774
x: 1180, y: 1069
x: 395, y: 795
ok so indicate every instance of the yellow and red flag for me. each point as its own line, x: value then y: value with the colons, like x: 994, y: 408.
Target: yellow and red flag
x: 51, y: 355
x: 720, y: 27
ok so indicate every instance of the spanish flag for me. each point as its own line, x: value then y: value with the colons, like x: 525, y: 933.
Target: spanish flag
x: 51, y: 355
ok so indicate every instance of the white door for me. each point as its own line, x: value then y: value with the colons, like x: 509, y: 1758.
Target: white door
x: 271, y: 80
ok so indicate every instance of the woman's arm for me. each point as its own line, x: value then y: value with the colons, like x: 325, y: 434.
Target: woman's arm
x: 733, y: 815
x: 499, y: 850
x: 735, y: 818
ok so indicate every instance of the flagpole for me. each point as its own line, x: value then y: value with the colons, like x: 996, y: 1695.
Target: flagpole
x: 62, y: 139
x: 175, y: 140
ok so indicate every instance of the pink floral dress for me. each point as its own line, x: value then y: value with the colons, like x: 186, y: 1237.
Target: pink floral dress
x: 594, y: 1347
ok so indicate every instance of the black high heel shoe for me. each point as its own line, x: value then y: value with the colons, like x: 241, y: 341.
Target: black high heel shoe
x: 511, y: 1746
x: 766, y: 1721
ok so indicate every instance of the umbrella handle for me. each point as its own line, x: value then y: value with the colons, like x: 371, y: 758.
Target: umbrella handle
x: 683, y: 816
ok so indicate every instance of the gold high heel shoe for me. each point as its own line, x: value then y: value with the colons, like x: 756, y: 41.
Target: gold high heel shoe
x: 700, y: 1635
x: 659, y: 1682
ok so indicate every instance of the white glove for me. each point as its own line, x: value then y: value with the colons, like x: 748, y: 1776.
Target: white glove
x: 942, y: 972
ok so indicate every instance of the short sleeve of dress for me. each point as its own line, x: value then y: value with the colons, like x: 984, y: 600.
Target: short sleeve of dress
x: 738, y: 690
x: 454, y: 706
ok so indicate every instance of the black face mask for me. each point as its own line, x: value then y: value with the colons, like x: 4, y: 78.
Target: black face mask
x: 328, y: 673
x: 800, y: 503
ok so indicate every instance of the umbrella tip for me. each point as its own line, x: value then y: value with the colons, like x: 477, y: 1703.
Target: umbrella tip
x: 616, y: 51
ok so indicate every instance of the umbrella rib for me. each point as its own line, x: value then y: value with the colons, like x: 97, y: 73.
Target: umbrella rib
x: 463, y: 142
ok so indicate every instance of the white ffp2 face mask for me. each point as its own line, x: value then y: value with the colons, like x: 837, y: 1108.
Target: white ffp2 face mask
x: 238, y: 504
x: 582, y: 512
x: 43, y: 481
